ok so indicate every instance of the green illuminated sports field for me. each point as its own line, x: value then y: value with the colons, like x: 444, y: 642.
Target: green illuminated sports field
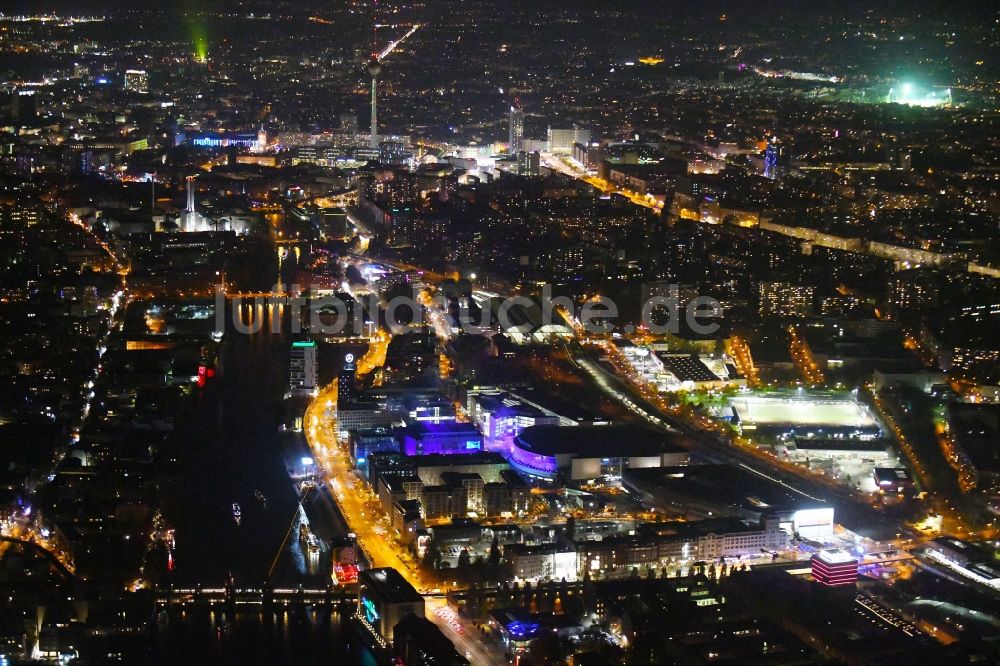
x: 799, y: 411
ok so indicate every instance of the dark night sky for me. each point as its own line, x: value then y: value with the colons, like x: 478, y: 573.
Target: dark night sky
x: 735, y: 9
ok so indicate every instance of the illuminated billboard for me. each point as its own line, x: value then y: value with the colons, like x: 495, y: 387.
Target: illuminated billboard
x: 344, y: 574
x: 369, y: 611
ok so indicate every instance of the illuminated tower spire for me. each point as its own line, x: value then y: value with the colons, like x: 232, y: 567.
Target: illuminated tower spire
x: 190, y: 195
x: 374, y: 68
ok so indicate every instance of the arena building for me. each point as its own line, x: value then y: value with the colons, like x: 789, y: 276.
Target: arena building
x: 578, y: 453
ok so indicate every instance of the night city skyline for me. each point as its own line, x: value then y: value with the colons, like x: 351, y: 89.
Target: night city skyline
x: 478, y: 332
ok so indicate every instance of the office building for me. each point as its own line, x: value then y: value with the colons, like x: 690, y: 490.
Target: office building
x: 421, y: 407
x: 501, y: 416
x: 137, y: 81
x: 394, y: 152
x: 516, y: 129
x: 362, y: 416
x: 406, y: 519
x: 714, y: 538
x: 655, y: 544
x: 393, y: 488
x: 497, y: 500
x: 302, y: 366
x: 388, y: 463
x: 444, y: 501
x: 384, y: 599
x: 520, y: 493
x: 553, y: 561
x: 471, y: 483
x: 444, y: 437
x: 363, y: 443
x: 411, y: 359
x: 347, y: 382
x: 431, y: 468
x: 529, y: 164
x: 561, y: 141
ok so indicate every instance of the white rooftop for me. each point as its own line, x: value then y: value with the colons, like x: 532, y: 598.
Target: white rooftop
x: 836, y: 556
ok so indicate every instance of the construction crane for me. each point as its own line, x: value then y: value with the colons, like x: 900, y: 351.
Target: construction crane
x: 375, y: 68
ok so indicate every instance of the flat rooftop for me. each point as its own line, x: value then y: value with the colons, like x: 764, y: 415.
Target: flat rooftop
x: 688, y: 368
x: 508, y: 404
x: 976, y: 429
x: 457, y: 459
x: 836, y: 556
x: 721, y: 485
x: 695, y: 528
x: 892, y: 474
x: 839, y: 444
x: 596, y: 441
x: 953, y: 542
x: 389, y: 585
x: 421, y: 429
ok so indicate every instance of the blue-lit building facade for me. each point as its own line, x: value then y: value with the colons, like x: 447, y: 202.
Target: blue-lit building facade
x: 502, y: 416
x: 517, y: 628
x: 446, y: 437
x: 247, y: 140
x: 363, y: 443
x: 547, y: 453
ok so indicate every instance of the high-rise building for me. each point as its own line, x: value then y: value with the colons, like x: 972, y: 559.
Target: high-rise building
x: 394, y: 152
x: 347, y: 391
x: 561, y: 141
x: 137, y: 80
x: 777, y: 158
x: 302, y: 366
x: 529, y: 164
x: 516, y: 129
